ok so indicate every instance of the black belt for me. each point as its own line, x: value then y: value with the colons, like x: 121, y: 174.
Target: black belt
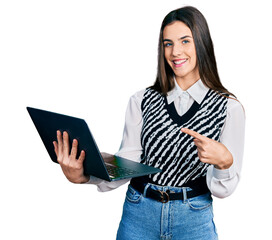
x: 162, y: 196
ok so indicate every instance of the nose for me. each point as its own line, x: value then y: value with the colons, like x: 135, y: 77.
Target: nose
x: 177, y: 50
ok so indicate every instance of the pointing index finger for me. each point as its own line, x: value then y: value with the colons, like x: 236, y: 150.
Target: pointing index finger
x: 193, y: 133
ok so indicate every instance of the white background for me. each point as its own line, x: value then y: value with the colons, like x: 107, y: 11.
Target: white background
x: 86, y: 58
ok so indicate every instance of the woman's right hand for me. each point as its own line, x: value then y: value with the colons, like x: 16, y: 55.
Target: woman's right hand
x: 71, y: 167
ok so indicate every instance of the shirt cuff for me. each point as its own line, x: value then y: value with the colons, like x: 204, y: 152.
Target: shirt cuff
x: 94, y: 180
x: 225, y: 173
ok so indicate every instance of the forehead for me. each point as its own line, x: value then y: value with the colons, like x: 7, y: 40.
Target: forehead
x: 176, y: 29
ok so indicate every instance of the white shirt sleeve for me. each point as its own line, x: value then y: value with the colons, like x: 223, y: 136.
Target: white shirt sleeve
x: 131, y: 144
x: 222, y: 183
x: 131, y: 147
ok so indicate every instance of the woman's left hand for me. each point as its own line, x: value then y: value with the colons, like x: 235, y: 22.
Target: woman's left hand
x: 211, y: 151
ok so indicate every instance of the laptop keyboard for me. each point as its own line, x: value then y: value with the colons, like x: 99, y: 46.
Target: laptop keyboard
x: 119, y: 171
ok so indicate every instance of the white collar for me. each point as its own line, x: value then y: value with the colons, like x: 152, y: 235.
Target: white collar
x: 197, y: 91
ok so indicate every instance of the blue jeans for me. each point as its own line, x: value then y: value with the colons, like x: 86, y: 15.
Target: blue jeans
x: 147, y: 219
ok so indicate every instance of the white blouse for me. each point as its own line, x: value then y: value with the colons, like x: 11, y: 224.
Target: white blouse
x: 220, y: 182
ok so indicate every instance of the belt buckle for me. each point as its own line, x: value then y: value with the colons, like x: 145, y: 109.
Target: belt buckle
x: 163, y: 200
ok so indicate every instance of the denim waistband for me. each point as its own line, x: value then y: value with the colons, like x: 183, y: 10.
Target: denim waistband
x: 165, y: 193
x: 170, y: 189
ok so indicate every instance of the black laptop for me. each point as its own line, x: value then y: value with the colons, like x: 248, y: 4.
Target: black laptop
x: 102, y: 165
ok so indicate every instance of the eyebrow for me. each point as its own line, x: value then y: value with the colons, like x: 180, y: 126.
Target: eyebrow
x: 169, y: 40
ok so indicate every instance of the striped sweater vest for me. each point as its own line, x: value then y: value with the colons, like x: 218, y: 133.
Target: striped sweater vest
x: 167, y: 148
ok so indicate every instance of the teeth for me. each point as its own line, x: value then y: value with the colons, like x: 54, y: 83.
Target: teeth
x: 179, y: 62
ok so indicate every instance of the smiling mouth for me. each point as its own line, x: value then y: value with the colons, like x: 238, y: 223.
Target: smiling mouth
x: 179, y: 62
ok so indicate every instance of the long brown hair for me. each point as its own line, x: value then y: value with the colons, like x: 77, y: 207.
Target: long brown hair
x: 206, y: 62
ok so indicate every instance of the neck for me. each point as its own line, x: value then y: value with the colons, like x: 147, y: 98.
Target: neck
x: 186, y: 82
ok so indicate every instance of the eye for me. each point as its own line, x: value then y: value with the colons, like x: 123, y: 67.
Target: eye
x: 167, y: 44
x: 185, y: 41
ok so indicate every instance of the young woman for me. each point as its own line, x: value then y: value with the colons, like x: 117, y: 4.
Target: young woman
x: 187, y: 124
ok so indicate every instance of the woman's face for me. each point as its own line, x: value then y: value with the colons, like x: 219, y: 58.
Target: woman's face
x: 180, y: 52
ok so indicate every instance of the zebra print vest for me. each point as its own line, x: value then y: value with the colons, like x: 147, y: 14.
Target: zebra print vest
x: 167, y: 148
